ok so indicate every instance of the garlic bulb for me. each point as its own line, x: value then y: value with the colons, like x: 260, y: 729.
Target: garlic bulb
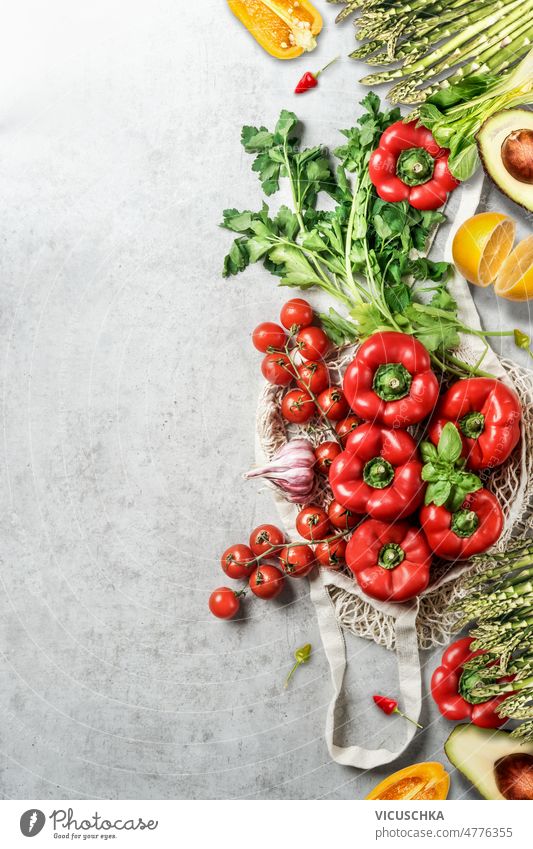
x: 291, y: 469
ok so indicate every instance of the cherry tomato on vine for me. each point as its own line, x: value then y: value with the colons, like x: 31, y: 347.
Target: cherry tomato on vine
x: 342, y: 518
x: 345, y: 427
x: 297, y: 406
x: 224, y: 603
x: 269, y: 337
x: 325, y: 453
x: 296, y: 313
x: 297, y: 560
x: 277, y: 369
x: 312, y: 343
x: 313, y: 376
x: 236, y: 561
x: 312, y: 522
x: 264, y: 537
x: 331, y: 554
x: 333, y: 403
x: 267, y: 581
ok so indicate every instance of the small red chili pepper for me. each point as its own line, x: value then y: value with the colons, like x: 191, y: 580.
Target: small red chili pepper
x: 310, y: 80
x: 389, y: 706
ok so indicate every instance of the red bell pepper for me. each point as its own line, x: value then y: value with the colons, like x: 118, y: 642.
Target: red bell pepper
x: 379, y: 473
x: 470, y: 530
x: 487, y: 414
x: 409, y: 165
x: 389, y: 562
x: 445, y: 683
x: 390, y: 380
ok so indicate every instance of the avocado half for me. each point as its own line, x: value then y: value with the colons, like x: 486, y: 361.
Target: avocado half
x: 498, y: 766
x: 505, y: 145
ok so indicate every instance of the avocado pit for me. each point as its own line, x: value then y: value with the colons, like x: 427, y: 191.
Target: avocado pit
x: 517, y: 155
x: 514, y: 776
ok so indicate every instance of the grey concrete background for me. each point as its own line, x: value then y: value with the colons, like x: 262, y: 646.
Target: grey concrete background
x: 129, y: 388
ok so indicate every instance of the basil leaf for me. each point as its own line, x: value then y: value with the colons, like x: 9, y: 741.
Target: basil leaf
x: 438, y: 493
x: 456, y: 498
x: 430, y: 473
x: 428, y: 451
x: 450, y: 443
x: 470, y: 482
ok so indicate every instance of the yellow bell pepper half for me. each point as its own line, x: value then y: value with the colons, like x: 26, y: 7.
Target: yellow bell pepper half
x: 421, y: 781
x: 284, y: 28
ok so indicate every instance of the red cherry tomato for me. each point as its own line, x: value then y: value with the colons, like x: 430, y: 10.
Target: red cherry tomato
x: 297, y: 560
x: 236, y: 561
x: 277, y: 369
x: 296, y: 313
x: 313, y: 343
x: 342, y: 518
x: 269, y: 337
x: 331, y: 554
x: 312, y: 523
x: 313, y: 377
x: 325, y: 453
x: 264, y: 537
x: 224, y: 603
x: 345, y: 427
x: 267, y: 581
x: 297, y: 406
x: 333, y: 403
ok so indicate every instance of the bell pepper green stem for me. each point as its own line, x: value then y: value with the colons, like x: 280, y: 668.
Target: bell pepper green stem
x: 391, y: 555
x: 472, y: 425
x: 391, y: 382
x: 378, y: 473
x: 415, y: 166
x: 464, y: 523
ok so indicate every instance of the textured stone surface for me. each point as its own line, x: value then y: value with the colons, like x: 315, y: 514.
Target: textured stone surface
x: 128, y: 398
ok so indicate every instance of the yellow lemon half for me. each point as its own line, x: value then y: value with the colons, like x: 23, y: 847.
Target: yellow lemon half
x: 481, y: 246
x: 515, y: 280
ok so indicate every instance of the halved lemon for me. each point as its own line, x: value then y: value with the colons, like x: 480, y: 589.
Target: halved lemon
x: 515, y: 280
x: 481, y: 246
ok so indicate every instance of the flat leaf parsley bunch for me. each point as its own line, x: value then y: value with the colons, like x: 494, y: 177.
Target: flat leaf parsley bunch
x: 365, y: 252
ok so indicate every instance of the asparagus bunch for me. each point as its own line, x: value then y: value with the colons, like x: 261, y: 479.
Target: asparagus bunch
x: 434, y: 43
x: 500, y: 600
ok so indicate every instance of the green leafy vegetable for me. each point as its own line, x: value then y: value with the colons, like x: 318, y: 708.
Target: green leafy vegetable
x: 367, y: 254
x: 448, y: 482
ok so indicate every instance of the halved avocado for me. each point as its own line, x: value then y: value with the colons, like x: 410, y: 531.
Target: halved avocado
x: 498, y: 766
x: 505, y: 144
